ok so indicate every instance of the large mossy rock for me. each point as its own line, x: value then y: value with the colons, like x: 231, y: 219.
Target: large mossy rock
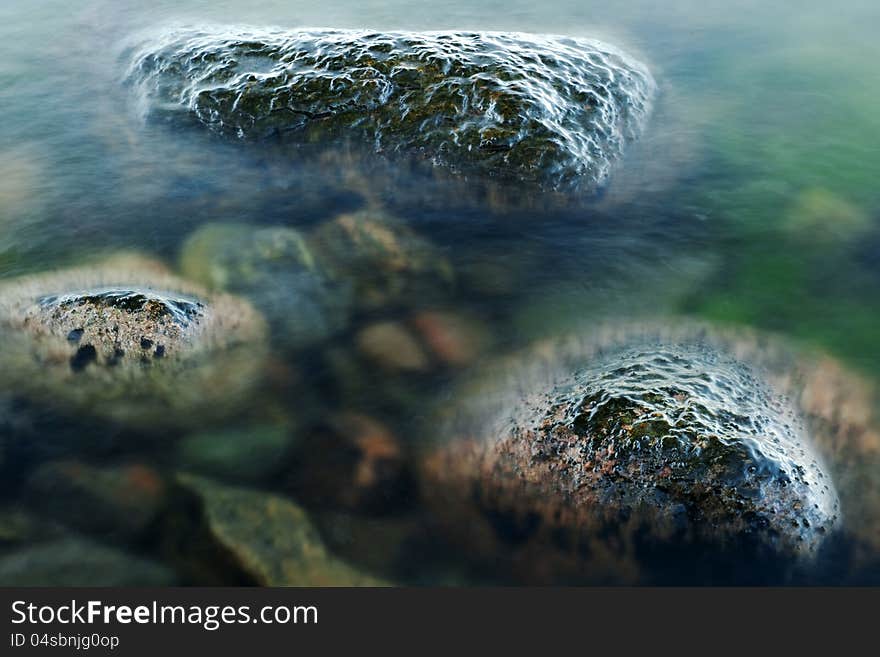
x: 553, y: 110
x: 126, y: 340
x: 633, y: 456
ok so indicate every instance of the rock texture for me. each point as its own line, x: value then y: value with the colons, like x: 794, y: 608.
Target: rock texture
x: 553, y: 110
x: 126, y: 340
x: 609, y: 451
x: 77, y: 562
x: 269, y: 538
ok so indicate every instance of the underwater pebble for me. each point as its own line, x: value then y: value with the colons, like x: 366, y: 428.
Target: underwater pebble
x: 112, y: 503
x: 385, y: 260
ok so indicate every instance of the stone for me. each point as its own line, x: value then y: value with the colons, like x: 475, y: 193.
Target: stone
x: 453, y: 338
x: 269, y: 537
x: 77, y: 562
x: 274, y: 268
x: 552, y: 110
x: 113, y: 502
x: 596, y: 458
x: 351, y: 462
x: 237, y: 454
x: 387, y: 262
x: 392, y: 346
x: 125, y: 340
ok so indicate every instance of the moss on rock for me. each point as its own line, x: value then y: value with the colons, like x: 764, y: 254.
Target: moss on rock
x: 552, y: 110
x: 598, y: 457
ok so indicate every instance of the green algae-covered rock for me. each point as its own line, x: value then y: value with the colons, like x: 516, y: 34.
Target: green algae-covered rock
x: 126, y: 340
x: 274, y: 268
x: 554, y: 110
x: 269, y: 538
x: 613, y: 452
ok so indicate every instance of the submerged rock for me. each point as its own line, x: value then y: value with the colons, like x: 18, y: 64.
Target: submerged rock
x: 19, y: 528
x: 385, y: 260
x: 602, y: 457
x: 117, y: 502
x: 352, y: 462
x: 455, y: 339
x: 269, y: 538
x: 275, y: 269
x: 553, y: 110
x: 254, y: 453
x: 77, y: 562
x: 391, y: 346
x: 126, y: 340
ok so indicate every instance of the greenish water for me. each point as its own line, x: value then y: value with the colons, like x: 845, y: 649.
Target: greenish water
x: 751, y: 200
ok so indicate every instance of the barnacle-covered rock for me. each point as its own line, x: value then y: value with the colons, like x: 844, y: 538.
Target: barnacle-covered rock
x: 615, y: 457
x: 553, y: 110
x: 126, y: 340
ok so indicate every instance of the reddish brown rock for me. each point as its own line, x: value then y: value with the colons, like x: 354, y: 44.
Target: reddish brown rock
x: 454, y: 339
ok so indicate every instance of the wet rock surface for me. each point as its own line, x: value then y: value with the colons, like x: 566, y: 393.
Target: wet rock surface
x: 127, y: 340
x: 609, y: 453
x: 557, y: 111
x: 269, y: 538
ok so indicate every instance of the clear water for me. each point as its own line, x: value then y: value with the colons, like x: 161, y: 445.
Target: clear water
x: 751, y: 200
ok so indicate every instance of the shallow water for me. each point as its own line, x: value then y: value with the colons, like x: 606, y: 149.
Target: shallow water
x: 750, y: 200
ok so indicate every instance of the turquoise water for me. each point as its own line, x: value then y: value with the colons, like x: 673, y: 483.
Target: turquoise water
x: 751, y: 200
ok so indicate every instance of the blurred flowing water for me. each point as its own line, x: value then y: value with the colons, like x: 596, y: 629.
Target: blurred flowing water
x: 751, y: 200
